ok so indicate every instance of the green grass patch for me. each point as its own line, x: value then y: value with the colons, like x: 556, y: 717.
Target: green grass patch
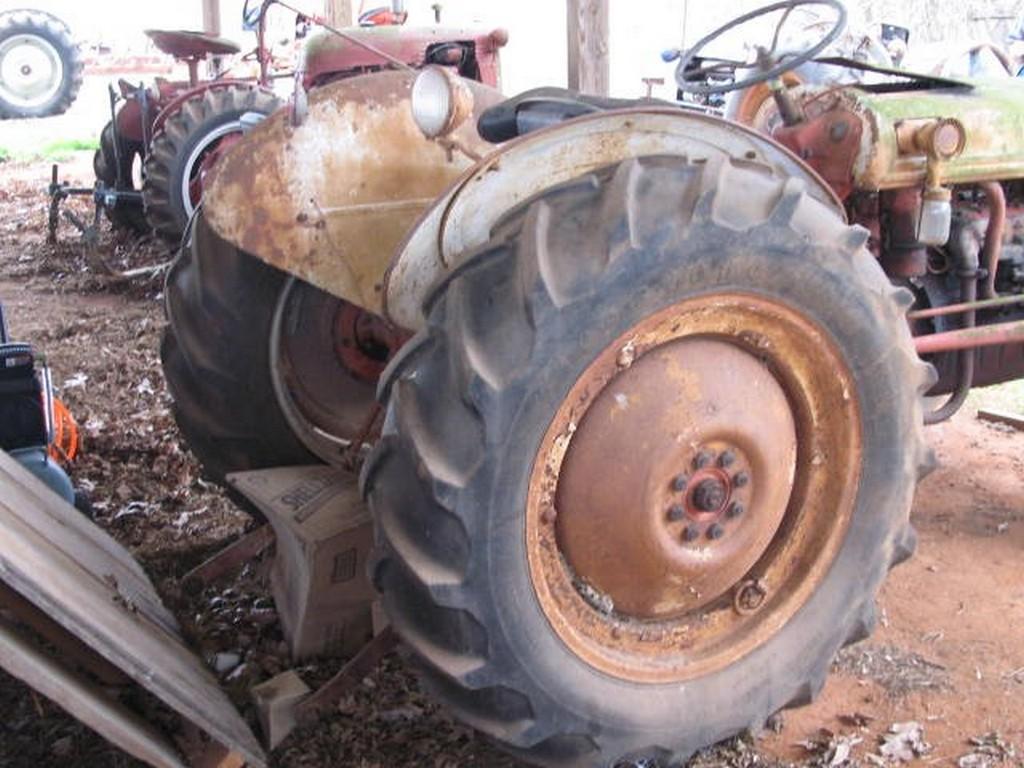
x: 54, y: 151
x: 58, y: 150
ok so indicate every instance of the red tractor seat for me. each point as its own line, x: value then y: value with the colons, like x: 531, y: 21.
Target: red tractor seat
x: 182, y: 44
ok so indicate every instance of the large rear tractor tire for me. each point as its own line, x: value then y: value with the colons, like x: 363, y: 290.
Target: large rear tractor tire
x: 116, y: 169
x: 40, y: 65
x: 189, y: 143
x: 254, y: 364
x: 644, y: 471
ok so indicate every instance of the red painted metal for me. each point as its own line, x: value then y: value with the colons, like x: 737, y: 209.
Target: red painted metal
x: 971, y: 338
x: 329, y: 56
x: 993, y: 247
x: 956, y: 309
x: 829, y: 143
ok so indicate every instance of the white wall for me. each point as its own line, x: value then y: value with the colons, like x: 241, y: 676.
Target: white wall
x: 536, y: 56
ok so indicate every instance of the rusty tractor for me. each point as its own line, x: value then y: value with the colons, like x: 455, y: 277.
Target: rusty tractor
x: 163, y: 140
x: 637, y: 394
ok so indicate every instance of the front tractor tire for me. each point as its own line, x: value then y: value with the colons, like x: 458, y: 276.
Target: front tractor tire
x: 263, y: 370
x: 188, y: 144
x: 644, y: 471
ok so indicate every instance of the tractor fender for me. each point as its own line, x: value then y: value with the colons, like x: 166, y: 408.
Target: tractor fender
x: 329, y: 200
x: 463, y: 217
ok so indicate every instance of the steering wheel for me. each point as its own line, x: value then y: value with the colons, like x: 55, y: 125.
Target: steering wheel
x: 251, y: 16
x: 769, y: 62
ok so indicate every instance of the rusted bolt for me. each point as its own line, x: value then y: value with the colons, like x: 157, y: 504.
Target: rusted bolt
x: 735, y: 510
x: 726, y: 459
x: 709, y: 495
x: 676, y: 512
x: 715, y: 531
x: 749, y: 596
x: 702, y: 459
x: 740, y: 479
x: 690, y: 533
x: 679, y: 482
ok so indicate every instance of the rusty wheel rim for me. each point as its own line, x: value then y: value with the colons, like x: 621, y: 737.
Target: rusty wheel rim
x: 693, y: 488
x: 324, y: 382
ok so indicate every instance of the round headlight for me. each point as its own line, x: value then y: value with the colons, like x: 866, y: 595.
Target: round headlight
x: 440, y: 102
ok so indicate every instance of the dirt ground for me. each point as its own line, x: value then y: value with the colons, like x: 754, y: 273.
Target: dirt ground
x: 940, y: 682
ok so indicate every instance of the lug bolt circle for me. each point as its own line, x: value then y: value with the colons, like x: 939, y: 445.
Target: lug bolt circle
x: 690, y: 533
x: 676, y: 512
x: 740, y: 479
x: 726, y: 459
x: 679, y: 482
x: 735, y: 510
x: 715, y: 531
x: 703, y: 459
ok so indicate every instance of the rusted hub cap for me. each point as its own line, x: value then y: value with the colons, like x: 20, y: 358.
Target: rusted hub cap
x: 694, y: 487
x: 677, y: 478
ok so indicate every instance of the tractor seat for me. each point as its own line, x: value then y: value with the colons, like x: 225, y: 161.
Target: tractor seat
x: 182, y: 44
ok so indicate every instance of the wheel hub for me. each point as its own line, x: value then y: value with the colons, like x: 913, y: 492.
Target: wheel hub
x: 677, y: 478
x: 693, y: 487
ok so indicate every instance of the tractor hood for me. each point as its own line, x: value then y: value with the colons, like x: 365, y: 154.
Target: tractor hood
x: 331, y: 199
x: 327, y: 55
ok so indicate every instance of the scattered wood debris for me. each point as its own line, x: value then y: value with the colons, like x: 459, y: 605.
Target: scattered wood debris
x: 898, y: 671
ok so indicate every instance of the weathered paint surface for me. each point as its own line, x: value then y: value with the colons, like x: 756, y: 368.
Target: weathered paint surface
x: 331, y: 199
x: 463, y: 218
x: 992, y: 114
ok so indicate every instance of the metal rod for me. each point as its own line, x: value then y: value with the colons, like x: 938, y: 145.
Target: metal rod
x: 4, y: 338
x: 971, y: 338
x: 956, y: 309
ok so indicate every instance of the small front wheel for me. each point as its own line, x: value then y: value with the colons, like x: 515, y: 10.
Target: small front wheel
x: 189, y: 144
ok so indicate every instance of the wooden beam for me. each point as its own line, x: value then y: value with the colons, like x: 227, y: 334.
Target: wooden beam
x: 587, y: 40
x: 211, y: 17
x: 338, y: 12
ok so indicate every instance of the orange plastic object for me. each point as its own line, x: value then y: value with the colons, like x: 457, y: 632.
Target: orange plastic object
x: 66, y: 440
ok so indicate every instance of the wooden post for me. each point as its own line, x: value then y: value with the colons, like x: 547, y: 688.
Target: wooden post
x: 211, y: 17
x: 338, y: 12
x: 587, y: 28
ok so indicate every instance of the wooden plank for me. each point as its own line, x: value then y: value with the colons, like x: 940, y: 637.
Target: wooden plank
x: 211, y: 17
x: 231, y: 558
x: 1014, y: 420
x: 587, y: 41
x: 84, y: 701
x: 53, y: 557
x: 338, y: 12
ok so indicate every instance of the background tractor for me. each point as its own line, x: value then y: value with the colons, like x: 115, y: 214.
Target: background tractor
x: 165, y: 137
x: 651, y: 383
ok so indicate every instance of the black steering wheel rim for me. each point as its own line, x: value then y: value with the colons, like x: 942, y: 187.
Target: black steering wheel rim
x: 780, y: 67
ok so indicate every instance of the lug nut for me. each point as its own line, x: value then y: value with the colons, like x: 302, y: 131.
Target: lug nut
x: 690, y: 533
x: 726, y: 459
x: 749, y: 596
x: 676, y: 512
x: 715, y: 531
x: 735, y: 510
x: 679, y: 482
x: 741, y: 479
x: 702, y: 459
